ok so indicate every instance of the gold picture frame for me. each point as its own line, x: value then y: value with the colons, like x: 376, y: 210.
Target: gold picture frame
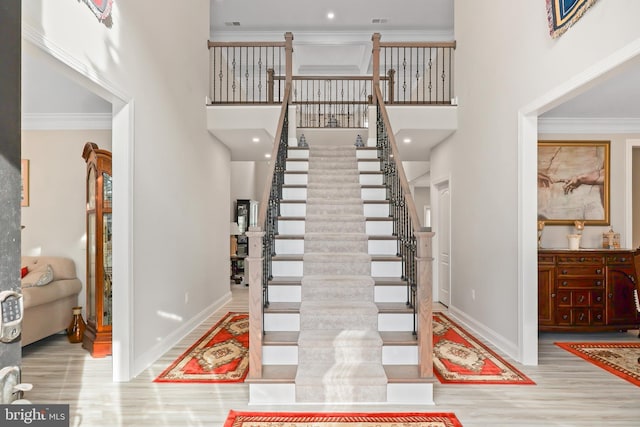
x: 24, y: 182
x: 573, y: 182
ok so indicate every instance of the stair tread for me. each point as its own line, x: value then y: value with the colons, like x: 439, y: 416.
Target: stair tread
x: 294, y: 307
x: 298, y: 257
x: 287, y: 373
x: 303, y: 218
x: 295, y: 281
x: 290, y: 338
x: 369, y: 236
x: 370, y: 202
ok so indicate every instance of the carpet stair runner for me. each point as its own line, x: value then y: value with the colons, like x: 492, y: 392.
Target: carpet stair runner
x: 339, y: 347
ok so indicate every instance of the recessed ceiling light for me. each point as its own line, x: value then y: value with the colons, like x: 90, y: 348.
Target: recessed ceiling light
x: 407, y: 140
x: 267, y: 156
x: 256, y: 139
x: 331, y: 15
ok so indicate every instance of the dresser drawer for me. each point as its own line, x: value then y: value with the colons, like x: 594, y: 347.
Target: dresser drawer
x: 590, y: 282
x: 620, y: 259
x: 580, y: 316
x: 546, y: 259
x: 582, y: 270
x: 581, y: 298
x: 580, y: 259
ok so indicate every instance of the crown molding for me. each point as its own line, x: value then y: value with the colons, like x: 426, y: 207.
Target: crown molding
x: 589, y: 125
x: 67, y: 121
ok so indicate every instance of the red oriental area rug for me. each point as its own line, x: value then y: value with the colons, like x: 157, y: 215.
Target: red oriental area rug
x: 220, y: 356
x: 621, y: 359
x: 315, y: 419
x: 459, y: 358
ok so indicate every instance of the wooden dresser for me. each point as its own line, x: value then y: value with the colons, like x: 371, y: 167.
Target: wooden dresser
x: 587, y: 290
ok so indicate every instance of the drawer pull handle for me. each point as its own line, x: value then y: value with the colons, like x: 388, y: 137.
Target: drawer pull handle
x: 623, y: 259
x: 610, y: 295
x: 565, y: 299
x: 598, y: 282
x: 598, y: 271
x: 581, y: 298
x: 581, y: 316
x: 564, y: 271
x: 553, y: 295
x: 581, y: 259
x: 564, y: 317
x: 565, y: 283
x: 598, y: 298
x: 599, y: 316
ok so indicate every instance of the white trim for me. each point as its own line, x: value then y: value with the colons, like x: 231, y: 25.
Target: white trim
x: 123, y: 148
x: 66, y: 121
x: 527, y: 199
x: 332, y: 38
x: 628, y: 191
x: 577, y: 125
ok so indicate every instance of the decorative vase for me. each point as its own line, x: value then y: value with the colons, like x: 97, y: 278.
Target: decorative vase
x: 574, y: 241
x: 75, y: 331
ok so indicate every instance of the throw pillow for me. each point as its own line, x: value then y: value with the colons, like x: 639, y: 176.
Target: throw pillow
x: 40, y: 277
x: 24, y: 271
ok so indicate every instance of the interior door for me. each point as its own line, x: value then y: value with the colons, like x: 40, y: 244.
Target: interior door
x: 443, y: 232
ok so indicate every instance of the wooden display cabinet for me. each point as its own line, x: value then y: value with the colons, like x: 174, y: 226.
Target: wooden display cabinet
x: 99, y: 191
x: 587, y: 290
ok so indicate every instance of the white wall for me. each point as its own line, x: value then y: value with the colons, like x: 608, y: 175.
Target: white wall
x: 556, y: 236
x: 636, y: 198
x: 55, y: 221
x: 154, y: 64
x: 505, y: 60
x: 242, y: 183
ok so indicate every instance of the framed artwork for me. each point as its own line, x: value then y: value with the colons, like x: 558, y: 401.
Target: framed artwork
x: 573, y: 182
x: 24, y: 183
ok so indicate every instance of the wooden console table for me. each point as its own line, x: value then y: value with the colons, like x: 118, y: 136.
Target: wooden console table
x: 587, y: 289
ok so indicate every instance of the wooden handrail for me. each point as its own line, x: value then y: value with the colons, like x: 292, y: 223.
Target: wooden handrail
x: 419, y: 44
x: 264, y: 202
x: 211, y: 44
x: 411, y: 206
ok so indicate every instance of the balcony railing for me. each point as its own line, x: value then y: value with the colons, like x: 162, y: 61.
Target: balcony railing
x: 257, y: 72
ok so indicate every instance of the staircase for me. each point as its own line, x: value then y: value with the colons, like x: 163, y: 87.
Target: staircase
x: 337, y: 328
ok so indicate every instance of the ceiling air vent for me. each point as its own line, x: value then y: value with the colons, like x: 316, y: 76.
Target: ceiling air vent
x: 232, y: 24
x: 379, y: 20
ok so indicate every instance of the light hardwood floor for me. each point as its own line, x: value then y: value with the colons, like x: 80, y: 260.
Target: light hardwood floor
x: 568, y: 390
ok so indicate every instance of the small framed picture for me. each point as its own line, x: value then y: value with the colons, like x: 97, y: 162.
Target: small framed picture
x: 24, y: 183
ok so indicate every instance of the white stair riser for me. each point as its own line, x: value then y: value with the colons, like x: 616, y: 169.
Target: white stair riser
x: 287, y: 268
x: 298, y: 154
x: 297, y: 166
x: 383, y: 247
x: 379, y: 228
x: 366, y: 194
x: 293, y: 293
x: 369, y: 166
x: 377, y: 210
x: 302, y: 179
x: 296, y: 247
x: 295, y: 179
x: 367, y: 154
x: 373, y: 228
x: 285, y: 293
x: 288, y: 354
x: 371, y: 179
x: 397, y: 322
x: 400, y: 355
x: 293, y: 209
x: 280, y: 354
x: 290, y: 246
x: 378, y: 268
x: 263, y: 393
x: 394, y: 293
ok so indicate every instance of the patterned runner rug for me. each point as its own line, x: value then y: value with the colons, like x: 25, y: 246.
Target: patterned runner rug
x: 460, y: 358
x: 220, y: 356
x: 313, y: 419
x: 621, y: 359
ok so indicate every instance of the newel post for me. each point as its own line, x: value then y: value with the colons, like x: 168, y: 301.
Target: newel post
x: 424, y: 263
x: 288, y: 50
x: 375, y: 54
x: 253, y: 267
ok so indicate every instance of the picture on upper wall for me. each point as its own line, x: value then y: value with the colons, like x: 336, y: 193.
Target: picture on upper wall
x: 573, y: 182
